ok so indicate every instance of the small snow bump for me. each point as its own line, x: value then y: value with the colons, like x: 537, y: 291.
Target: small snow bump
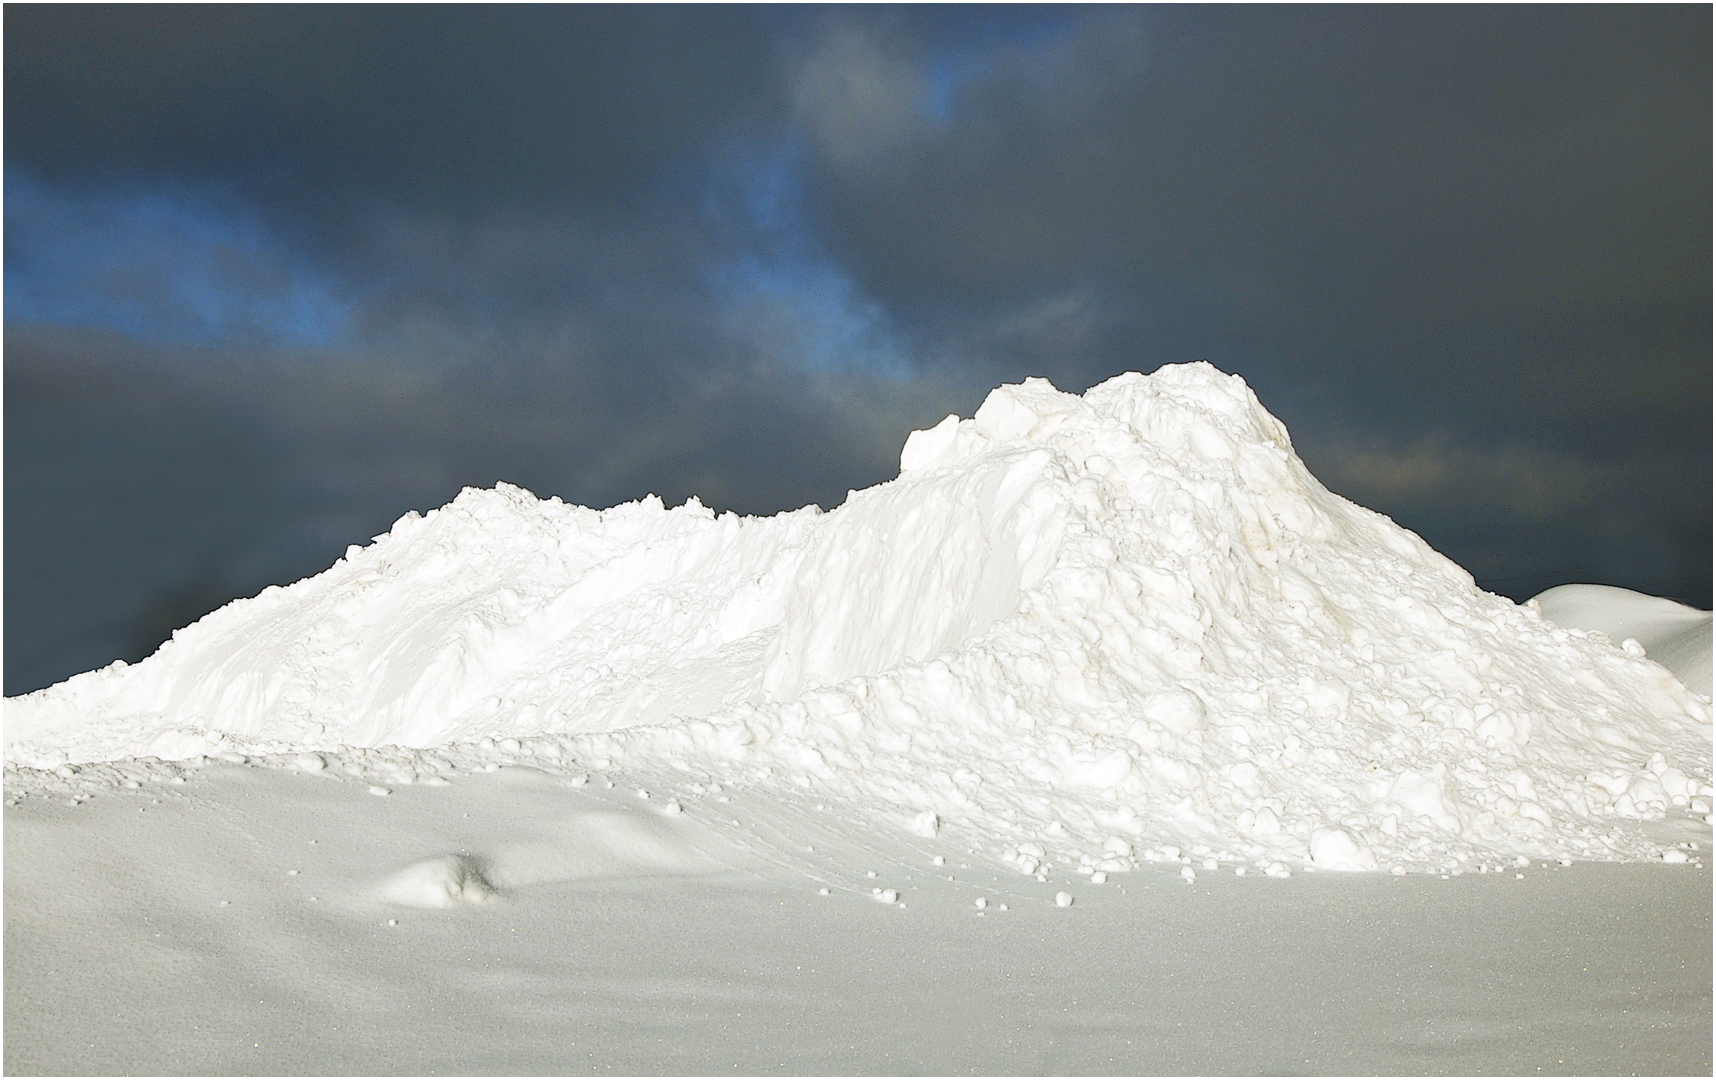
x: 377, y: 789
x: 1098, y: 878
x: 1189, y: 874
x: 1063, y: 899
x: 980, y: 903
x: 438, y: 883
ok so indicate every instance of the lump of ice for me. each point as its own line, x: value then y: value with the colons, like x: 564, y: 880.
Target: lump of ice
x: 1074, y: 627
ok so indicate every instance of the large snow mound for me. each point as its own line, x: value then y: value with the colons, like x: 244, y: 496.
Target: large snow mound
x: 1087, y: 630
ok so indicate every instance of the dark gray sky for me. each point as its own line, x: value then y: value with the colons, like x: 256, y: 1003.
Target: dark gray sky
x: 275, y: 276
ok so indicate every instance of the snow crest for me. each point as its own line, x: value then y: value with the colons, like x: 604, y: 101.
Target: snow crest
x: 1087, y: 631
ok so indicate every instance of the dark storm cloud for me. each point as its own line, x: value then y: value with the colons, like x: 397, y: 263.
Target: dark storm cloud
x: 277, y: 274
x: 503, y: 199
x: 326, y: 109
x: 1351, y: 175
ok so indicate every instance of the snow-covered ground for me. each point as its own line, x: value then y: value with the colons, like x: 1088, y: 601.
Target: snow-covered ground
x: 1104, y: 740
x: 235, y: 924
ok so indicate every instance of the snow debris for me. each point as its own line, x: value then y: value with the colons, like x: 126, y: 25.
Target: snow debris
x: 1085, y: 632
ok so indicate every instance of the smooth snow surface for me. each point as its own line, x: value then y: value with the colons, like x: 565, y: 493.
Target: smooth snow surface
x: 231, y: 925
x: 1088, y: 632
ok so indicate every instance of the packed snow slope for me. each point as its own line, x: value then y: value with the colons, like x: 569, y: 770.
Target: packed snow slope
x: 1086, y: 631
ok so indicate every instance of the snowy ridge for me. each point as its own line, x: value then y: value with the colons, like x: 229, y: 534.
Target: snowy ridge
x: 1087, y: 630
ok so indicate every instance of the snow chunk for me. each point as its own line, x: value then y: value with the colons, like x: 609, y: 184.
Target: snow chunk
x: 1337, y: 849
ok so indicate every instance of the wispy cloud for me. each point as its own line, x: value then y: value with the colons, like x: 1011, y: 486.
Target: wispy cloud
x: 163, y: 264
x: 1524, y: 482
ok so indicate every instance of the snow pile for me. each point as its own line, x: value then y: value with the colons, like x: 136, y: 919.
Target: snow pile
x: 1086, y: 632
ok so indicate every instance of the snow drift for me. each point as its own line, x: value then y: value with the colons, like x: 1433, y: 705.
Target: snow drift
x: 1674, y: 635
x: 1088, y: 630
